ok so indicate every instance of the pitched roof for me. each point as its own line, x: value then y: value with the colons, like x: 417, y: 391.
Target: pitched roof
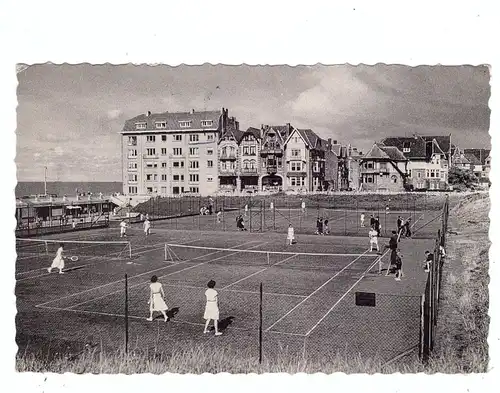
x: 472, y: 159
x: 461, y: 160
x: 173, y: 119
x: 382, y: 152
x: 254, y: 131
x: 416, y: 145
x: 444, y: 141
x: 480, y: 154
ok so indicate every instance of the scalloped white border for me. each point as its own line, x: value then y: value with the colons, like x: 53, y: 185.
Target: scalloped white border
x: 256, y: 32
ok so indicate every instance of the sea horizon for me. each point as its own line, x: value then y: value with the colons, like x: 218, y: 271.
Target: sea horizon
x: 25, y: 188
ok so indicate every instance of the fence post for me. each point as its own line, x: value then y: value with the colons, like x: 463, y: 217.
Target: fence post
x: 126, y: 314
x: 260, y: 325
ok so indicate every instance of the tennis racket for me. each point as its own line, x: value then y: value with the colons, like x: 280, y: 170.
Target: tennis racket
x: 73, y: 258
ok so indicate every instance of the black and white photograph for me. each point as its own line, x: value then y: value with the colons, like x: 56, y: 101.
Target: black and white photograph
x: 252, y: 218
x: 249, y: 196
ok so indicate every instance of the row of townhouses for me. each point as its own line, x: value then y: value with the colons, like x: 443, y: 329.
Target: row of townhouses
x: 206, y: 153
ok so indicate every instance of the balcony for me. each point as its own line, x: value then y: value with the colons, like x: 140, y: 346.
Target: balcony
x: 131, y: 157
x: 271, y: 149
x: 150, y: 156
x: 227, y: 156
x: 296, y: 173
x: 272, y: 169
x: 227, y: 172
x: 249, y: 171
x: 132, y: 182
x: 132, y: 170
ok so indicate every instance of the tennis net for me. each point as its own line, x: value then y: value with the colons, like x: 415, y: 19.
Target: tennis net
x: 356, y: 262
x: 77, y: 248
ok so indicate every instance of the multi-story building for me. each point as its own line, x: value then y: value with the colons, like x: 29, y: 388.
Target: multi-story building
x: 429, y: 159
x: 310, y: 162
x: 173, y: 153
x: 250, y: 160
x: 349, y: 158
x: 273, y: 169
x: 384, y: 168
x: 476, y: 160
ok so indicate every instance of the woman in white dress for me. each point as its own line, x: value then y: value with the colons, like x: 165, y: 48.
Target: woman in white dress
x: 147, y: 227
x: 291, y: 234
x: 212, y: 308
x: 58, y: 261
x: 156, y: 302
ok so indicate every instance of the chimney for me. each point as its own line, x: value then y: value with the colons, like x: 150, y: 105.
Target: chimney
x: 329, y: 141
x: 149, y: 113
x: 222, y: 111
x: 192, y: 111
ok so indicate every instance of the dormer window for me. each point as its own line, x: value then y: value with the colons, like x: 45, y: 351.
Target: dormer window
x: 141, y: 126
x: 160, y: 125
x: 207, y: 123
x: 185, y: 124
x: 406, y: 147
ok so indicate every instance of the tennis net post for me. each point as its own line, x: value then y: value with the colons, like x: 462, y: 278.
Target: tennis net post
x: 260, y: 324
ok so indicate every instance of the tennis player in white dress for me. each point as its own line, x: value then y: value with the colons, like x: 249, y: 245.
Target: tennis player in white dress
x: 211, y: 308
x: 291, y: 234
x: 156, y: 302
x: 123, y: 229
x: 147, y: 227
x: 58, y: 261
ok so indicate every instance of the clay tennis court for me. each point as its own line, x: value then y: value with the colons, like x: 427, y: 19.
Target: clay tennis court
x: 308, y: 292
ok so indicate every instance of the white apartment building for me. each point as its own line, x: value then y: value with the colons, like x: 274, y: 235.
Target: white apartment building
x: 172, y: 153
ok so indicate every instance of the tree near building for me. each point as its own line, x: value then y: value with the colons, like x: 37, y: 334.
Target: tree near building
x: 464, y: 177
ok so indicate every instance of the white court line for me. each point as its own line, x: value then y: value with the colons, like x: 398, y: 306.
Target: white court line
x: 346, y: 293
x: 122, y: 280
x: 164, y: 275
x: 174, y: 320
x: 260, y: 271
x: 149, y: 246
x: 316, y: 290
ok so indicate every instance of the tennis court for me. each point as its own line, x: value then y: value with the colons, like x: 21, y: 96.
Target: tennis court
x: 308, y: 291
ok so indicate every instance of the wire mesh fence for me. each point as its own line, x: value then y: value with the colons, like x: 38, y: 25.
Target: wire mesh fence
x: 431, y: 296
x: 343, y: 215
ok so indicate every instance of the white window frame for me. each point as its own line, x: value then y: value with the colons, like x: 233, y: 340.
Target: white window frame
x: 207, y: 123
x: 150, y: 138
x: 185, y: 124
x: 141, y: 125
x: 160, y: 125
x: 194, y: 137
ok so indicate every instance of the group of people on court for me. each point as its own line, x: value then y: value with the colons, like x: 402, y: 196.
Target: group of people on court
x: 146, y: 226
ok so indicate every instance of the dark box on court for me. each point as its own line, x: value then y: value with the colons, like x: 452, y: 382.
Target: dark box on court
x: 365, y: 299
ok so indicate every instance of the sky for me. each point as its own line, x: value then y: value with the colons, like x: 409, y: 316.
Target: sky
x: 70, y: 116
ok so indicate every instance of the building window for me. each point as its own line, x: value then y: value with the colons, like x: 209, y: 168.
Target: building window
x: 248, y: 138
x: 207, y: 123
x: 163, y: 138
x: 210, y: 178
x: 132, y: 140
x: 178, y: 164
x: 175, y: 190
x: 151, y: 165
x: 132, y: 190
x: 163, y: 177
x: 163, y: 164
x: 132, y: 165
x: 149, y: 177
x: 210, y: 164
x: 394, y: 179
x: 150, y: 138
x: 194, y: 138
x: 194, y: 164
x: 194, y: 190
x: 246, y: 150
x: 296, y: 139
x: 369, y: 165
x: 160, y: 125
x: 296, y: 166
x: 210, y: 152
x: 409, y: 172
x: 132, y: 153
x: 132, y: 177
x: 253, y: 151
x: 295, y: 152
x: 163, y: 151
x: 151, y: 152
x: 369, y: 179
x: 177, y: 151
x: 210, y: 137
x: 185, y: 124
x: 193, y: 151
x: 442, y: 174
x: 140, y: 126
x: 194, y: 177
x: 177, y: 137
